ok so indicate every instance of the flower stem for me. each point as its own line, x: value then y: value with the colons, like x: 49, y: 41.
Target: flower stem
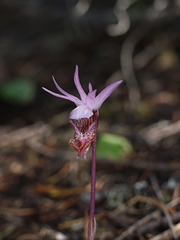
x: 92, y: 221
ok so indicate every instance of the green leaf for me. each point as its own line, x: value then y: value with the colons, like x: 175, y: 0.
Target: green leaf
x: 18, y: 91
x: 113, y: 147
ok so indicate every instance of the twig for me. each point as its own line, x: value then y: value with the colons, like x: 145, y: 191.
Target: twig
x: 160, y: 196
x: 127, y: 65
x: 166, y: 235
x: 18, y: 211
x: 147, y: 218
x: 152, y: 201
x: 22, y: 134
x: 71, y: 223
x: 140, y: 222
x: 62, y: 173
x: 156, y: 165
x: 159, y: 131
x: 155, y: 223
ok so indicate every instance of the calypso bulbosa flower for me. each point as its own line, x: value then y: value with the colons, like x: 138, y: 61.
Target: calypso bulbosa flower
x: 84, y: 118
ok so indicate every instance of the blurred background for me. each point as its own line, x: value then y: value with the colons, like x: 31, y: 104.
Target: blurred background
x: 44, y: 189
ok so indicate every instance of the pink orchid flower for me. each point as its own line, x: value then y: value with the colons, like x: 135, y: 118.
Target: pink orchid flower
x: 84, y: 117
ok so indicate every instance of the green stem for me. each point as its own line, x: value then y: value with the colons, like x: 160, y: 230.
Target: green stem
x: 92, y: 221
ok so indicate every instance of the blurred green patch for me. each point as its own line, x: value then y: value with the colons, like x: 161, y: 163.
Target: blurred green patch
x: 21, y: 91
x: 144, y: 111
x: 166, y: 60
x: 109, y: 110
x: 113, y: 147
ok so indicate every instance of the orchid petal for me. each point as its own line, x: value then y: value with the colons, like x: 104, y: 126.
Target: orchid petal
x: 60, y: 89
x: 81, y: 112
x: 104, y: 94
x: 78, y: 85
x: 90, y: 87
x: 90, y: 100
x: 70, y: 98
x: 94, y: 92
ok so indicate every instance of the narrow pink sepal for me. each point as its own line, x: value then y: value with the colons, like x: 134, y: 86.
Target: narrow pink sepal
x: 78, y: 85
x: 55, y: 94
x: 70, y: 96
x: 105, y: 93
